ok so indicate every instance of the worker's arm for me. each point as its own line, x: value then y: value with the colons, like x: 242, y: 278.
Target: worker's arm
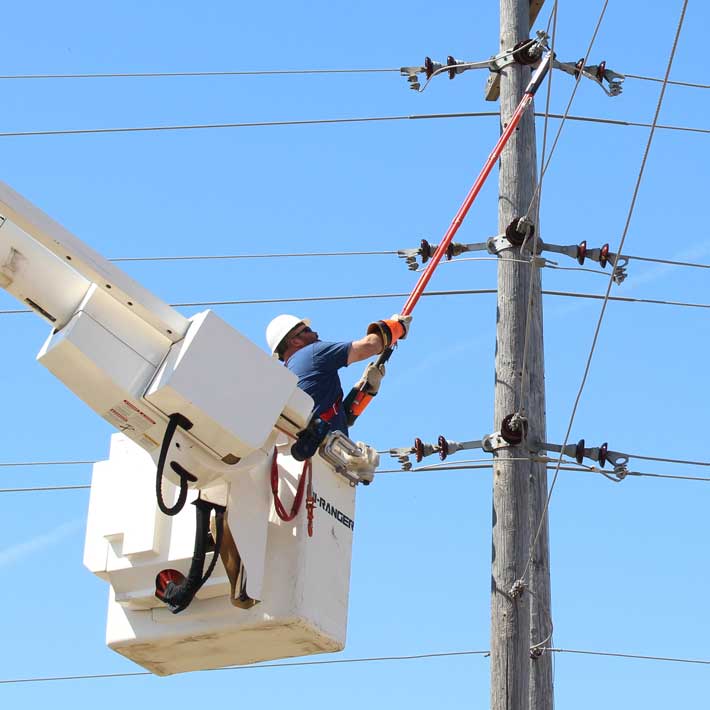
x: 365, y: 347
x: 380, y: 335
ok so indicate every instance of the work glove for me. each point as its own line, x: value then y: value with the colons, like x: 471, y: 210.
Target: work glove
x: 371, y: 379
x: 390, y: 330
x: 364, y: 464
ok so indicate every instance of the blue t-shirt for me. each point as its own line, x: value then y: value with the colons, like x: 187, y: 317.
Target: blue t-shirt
x: 316, y: 366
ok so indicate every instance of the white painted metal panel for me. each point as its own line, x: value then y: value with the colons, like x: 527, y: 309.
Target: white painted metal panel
x: 230, y: 389
x: 305, y: 585
x: 38, y: 278
x: 90, y: 264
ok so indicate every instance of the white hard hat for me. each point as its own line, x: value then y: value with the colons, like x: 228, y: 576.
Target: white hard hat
x: 280, y: 327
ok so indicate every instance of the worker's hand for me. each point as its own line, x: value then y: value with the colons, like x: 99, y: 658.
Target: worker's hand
x: 405, y: 322
x: 371, y: 379
x: 390, y: 331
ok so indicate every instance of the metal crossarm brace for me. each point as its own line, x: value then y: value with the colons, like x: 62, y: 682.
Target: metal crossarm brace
x: 495, y: 64
x: 602, y: 256
x: 431, y: 69
x: 425, y: 251
x: 444, y: 447
x: 578, y: 452
x: 598, y: 73
x: 500, y: 242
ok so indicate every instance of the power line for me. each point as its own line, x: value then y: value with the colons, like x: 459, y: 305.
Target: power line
x: 391, y: 252
x: 270, y: 72
x: 335, y: 661
x: 668, y: 261
x: 153, y: 75
x: 607, y: 297
x: 207, y: 257
x: 629, y: 655
x: 38, y: 489
x: 374, y: 659
x: 10, y: 464
x: 431, y: 294
x: 537, y: 194
x: 451, y: 466
x: 673, y: 83
x: 320, y: 121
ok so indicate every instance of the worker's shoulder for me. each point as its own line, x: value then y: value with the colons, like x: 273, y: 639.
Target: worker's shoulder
x: 320, y: 353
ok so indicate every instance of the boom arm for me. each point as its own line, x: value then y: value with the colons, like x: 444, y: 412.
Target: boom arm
x: 29, y: 239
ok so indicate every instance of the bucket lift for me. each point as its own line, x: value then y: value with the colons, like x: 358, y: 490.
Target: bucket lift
x: 229, y: 430
x: 301, y: 582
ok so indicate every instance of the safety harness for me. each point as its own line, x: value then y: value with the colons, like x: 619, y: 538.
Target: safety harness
x: 333, y: 410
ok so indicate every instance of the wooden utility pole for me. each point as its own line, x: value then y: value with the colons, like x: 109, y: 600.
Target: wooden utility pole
x: 520, y: 613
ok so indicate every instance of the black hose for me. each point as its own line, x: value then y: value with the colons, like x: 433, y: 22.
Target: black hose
x: 174, y: 421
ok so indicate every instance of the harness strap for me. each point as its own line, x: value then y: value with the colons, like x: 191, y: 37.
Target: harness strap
x: 332, y: 410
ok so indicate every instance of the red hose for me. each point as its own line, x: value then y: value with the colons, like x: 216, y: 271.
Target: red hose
x: 298, y: 499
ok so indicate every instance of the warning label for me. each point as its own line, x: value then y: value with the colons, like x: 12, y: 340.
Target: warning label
x: 128, y: 418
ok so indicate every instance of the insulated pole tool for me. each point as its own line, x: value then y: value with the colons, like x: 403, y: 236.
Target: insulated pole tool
x: 359, y: 397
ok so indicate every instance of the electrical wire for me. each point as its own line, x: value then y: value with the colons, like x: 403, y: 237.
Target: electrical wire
x: 465, y: 465
x: 274, y: 72
x: 673, y: 83
x: 285, y: 255
x: 152, y: 75
x: 320, y: 121
x: 431, y: 294
x: 535, y: 200
x: 669, y: 261
x: 37, y: 489
x: 565, y: 115
x: 252, y: 256
x: 374, y: 659
x: 609, y: 285
x: 290, y: 664
x: 9, y: 464
x: 534, y: 275
x: 629, y: 655
x: 684, y: 462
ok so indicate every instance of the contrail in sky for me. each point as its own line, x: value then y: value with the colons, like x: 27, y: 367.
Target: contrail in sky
x: 16, y: 552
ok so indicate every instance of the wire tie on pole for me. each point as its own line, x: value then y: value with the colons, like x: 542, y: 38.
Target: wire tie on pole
x: 518, y: 588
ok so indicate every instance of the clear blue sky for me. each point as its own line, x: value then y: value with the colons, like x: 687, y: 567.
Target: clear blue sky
x: 629, y: 560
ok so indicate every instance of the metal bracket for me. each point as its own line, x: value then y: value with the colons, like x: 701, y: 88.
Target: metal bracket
x: 528, y: 52
x: 598, y: 73
x: 445, y: 447
x: 496, y: 245
x: 432, y: 68
x: 502, y: 242
x: 426, y: 250
x: 578, y: 452
x: 602, y: 256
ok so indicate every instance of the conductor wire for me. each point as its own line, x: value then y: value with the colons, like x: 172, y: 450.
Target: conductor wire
x: 608, y: 289
x: 535, y: 200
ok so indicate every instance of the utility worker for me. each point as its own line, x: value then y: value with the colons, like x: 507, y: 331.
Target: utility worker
x: 316, y: 363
